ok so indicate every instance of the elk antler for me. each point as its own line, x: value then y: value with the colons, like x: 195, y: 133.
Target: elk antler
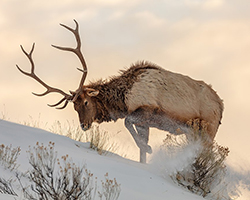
x: 32, y: 74
x: 78, y: 52
x: 50, y: 89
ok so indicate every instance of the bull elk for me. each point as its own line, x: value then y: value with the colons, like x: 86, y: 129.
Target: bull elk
x: 145, y: 94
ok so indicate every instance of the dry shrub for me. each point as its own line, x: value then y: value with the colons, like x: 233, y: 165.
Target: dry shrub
x: 208, y: 168
x: 8, y: 156
x: 54, y: 178
x: 110, y: 189
x: 6, y: 187
x: 8, y: 160
x: 206, y: 172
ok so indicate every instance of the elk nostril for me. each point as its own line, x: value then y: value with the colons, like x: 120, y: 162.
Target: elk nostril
x: 85, y: 127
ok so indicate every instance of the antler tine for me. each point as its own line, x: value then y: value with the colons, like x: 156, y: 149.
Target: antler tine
x: 29, y: 56
x: 62, y: 100
x: 50, y: 89
x: 78, y: 53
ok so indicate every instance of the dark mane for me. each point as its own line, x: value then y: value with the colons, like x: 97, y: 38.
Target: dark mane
x: 139, y: 65
x: 113, y: 91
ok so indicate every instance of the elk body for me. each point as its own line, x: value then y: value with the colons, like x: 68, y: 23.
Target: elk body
x: 145, y: 94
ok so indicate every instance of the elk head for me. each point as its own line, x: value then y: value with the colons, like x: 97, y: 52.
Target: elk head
x: 85, y: 106
x: 82, y: 96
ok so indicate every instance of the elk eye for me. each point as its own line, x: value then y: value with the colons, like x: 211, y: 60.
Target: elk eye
x: 86, y: 103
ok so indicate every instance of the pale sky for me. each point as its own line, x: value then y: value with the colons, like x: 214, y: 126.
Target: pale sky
x: 205, y: 39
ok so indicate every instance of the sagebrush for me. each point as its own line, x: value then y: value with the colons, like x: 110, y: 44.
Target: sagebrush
x: 53, y: 178
x: 8, y: 156
x: 207, y: 168
x: 8, y: 160
x: 6, y: 187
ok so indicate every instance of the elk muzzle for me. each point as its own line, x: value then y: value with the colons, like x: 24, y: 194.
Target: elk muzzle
x: 85, y: 127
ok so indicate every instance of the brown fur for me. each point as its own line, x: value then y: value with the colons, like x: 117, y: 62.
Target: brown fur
x: 148, y: 96
x: 113, y: 93
x: 178, y: 97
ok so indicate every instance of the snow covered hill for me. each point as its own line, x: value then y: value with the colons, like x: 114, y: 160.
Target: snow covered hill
x: 138, y: 181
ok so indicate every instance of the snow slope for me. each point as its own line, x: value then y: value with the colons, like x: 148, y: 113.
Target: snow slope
x: 138, y: 182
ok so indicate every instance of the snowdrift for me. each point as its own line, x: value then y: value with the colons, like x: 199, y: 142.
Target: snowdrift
x: 138, y: 181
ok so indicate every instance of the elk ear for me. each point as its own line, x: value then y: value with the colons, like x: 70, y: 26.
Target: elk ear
x: 92, y: 92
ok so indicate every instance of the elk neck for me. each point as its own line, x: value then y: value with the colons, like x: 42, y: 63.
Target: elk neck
x: 110, y: 102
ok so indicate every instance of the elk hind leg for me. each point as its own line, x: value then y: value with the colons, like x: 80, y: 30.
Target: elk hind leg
x: 143, y: 132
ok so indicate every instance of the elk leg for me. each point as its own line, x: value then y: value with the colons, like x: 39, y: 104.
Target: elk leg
x: 143, y: 132
x: 140, y: 136
x: 138, y: 140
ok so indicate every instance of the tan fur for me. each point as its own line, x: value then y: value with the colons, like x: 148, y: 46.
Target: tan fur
x: 181, y: 97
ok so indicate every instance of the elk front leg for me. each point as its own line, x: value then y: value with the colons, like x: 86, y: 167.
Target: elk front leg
x: 140, y: 136
x: 143, y: 133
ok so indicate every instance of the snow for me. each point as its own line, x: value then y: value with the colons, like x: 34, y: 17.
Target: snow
x: 138, y: 181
